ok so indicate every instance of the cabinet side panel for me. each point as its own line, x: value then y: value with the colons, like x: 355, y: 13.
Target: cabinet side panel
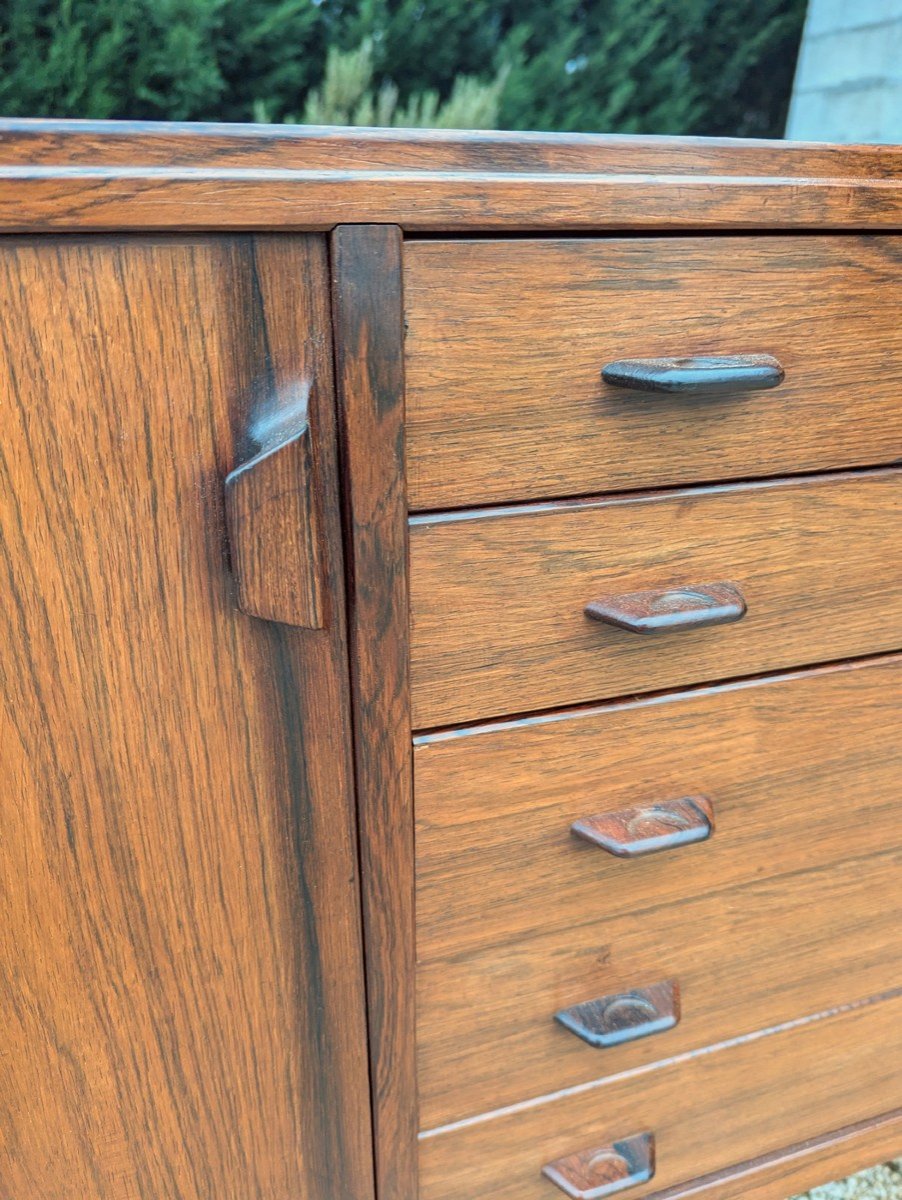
x: 180, y: 983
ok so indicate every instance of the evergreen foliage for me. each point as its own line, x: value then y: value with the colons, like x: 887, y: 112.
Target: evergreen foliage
x: 629, y: 66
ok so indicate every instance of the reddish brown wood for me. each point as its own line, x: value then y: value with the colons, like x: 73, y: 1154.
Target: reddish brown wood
x: 102, y: 175
x: 498, y: 595
x: 773, y: 918
x: 709, y: 1111
x: 181, y: 991
x: 507, y: 339
x: 624, y: 1017
x: 368, y: 332
x: 592, y: 1174
x: 272, y: 508
x: 669, y: 610
x: 56, y: 142
x: 800, y: 1167
x: 648, y: 828
x: 703, y: 375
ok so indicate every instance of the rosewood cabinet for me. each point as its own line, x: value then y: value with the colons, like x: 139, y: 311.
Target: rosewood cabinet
x: 450, y: 658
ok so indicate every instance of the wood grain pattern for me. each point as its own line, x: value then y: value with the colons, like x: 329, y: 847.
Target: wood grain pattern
x: 800, y: 1167
x: 66, y: 143
x: 745, y: 957
x: 272, y: 509
x: 180, y: 990
x: 707, y: 1111
x: 101, y: 175
x: 805, y: 765
x: 497, y: 596
x: 507, y: 342
x: 368, y: 330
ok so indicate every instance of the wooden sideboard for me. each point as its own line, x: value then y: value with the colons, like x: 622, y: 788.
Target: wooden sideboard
x: 451, y: 663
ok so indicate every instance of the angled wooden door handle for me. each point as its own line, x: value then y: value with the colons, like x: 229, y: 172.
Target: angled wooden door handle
x: 648, y: 828
x: 273, y: 521
x: 671, y: 609
x: 592, y: 1174
x: 703, y: 375
x: 625, y: 1016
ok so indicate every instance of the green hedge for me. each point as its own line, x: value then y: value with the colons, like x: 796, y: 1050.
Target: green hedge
x: 632, y: 66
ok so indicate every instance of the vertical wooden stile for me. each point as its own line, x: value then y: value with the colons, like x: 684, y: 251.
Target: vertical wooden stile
x: 368, y: 326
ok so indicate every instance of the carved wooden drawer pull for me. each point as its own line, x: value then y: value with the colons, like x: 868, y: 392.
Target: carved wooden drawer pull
x: 671, y: 610
x: 650, y: 827
x: 591, y: 1174
x: 271, y: 511
x: 705, y: 375
x: 626, y: 1016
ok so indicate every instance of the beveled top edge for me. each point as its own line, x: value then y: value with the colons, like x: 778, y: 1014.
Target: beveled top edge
x: 49, y: 142
x: 84, y: 176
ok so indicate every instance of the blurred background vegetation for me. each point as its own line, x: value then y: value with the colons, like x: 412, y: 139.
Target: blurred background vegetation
x: 617, y: 66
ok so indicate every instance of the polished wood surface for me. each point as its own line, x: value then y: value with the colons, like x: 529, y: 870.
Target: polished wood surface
x: 745, y: 957
x: 181, y: 994
x: 707, y: 1111
x: 368, y: 339
x: 507, y: 341
x: 803, y: 770
x: 800, y: 1167
x: 785, y: 909
x: 70, y: 175
x: 273, y: 516
x: 498, y: 596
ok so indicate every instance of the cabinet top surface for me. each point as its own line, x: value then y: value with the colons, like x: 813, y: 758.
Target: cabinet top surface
x: 71, y: 175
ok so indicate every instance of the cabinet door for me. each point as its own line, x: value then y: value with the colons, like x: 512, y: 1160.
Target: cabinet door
x: 181, y: 1002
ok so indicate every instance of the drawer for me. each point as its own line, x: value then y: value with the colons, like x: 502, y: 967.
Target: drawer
x: 802, y: 769
x: 707, y: 1112
x: 742, y: 959
x: 786, y: 910
x: 507, y: 341
x: 498, y: 596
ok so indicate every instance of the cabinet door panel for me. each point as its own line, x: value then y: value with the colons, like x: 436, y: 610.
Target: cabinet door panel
x: 180, y: 991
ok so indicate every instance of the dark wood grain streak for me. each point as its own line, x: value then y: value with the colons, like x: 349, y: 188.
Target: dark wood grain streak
x: 368, y: 339
x: 104, y: 175
x: 180, y: 990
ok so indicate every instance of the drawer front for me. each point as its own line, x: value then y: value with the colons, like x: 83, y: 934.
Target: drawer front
x: 743, y: 959
x: 507, y: 341
x: 802, y: 769
x: 787, y: 909
x: 707, y: 1112
x: 498, y: 597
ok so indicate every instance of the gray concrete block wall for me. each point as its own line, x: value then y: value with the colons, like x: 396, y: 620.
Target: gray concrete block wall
x: 848, y: 84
